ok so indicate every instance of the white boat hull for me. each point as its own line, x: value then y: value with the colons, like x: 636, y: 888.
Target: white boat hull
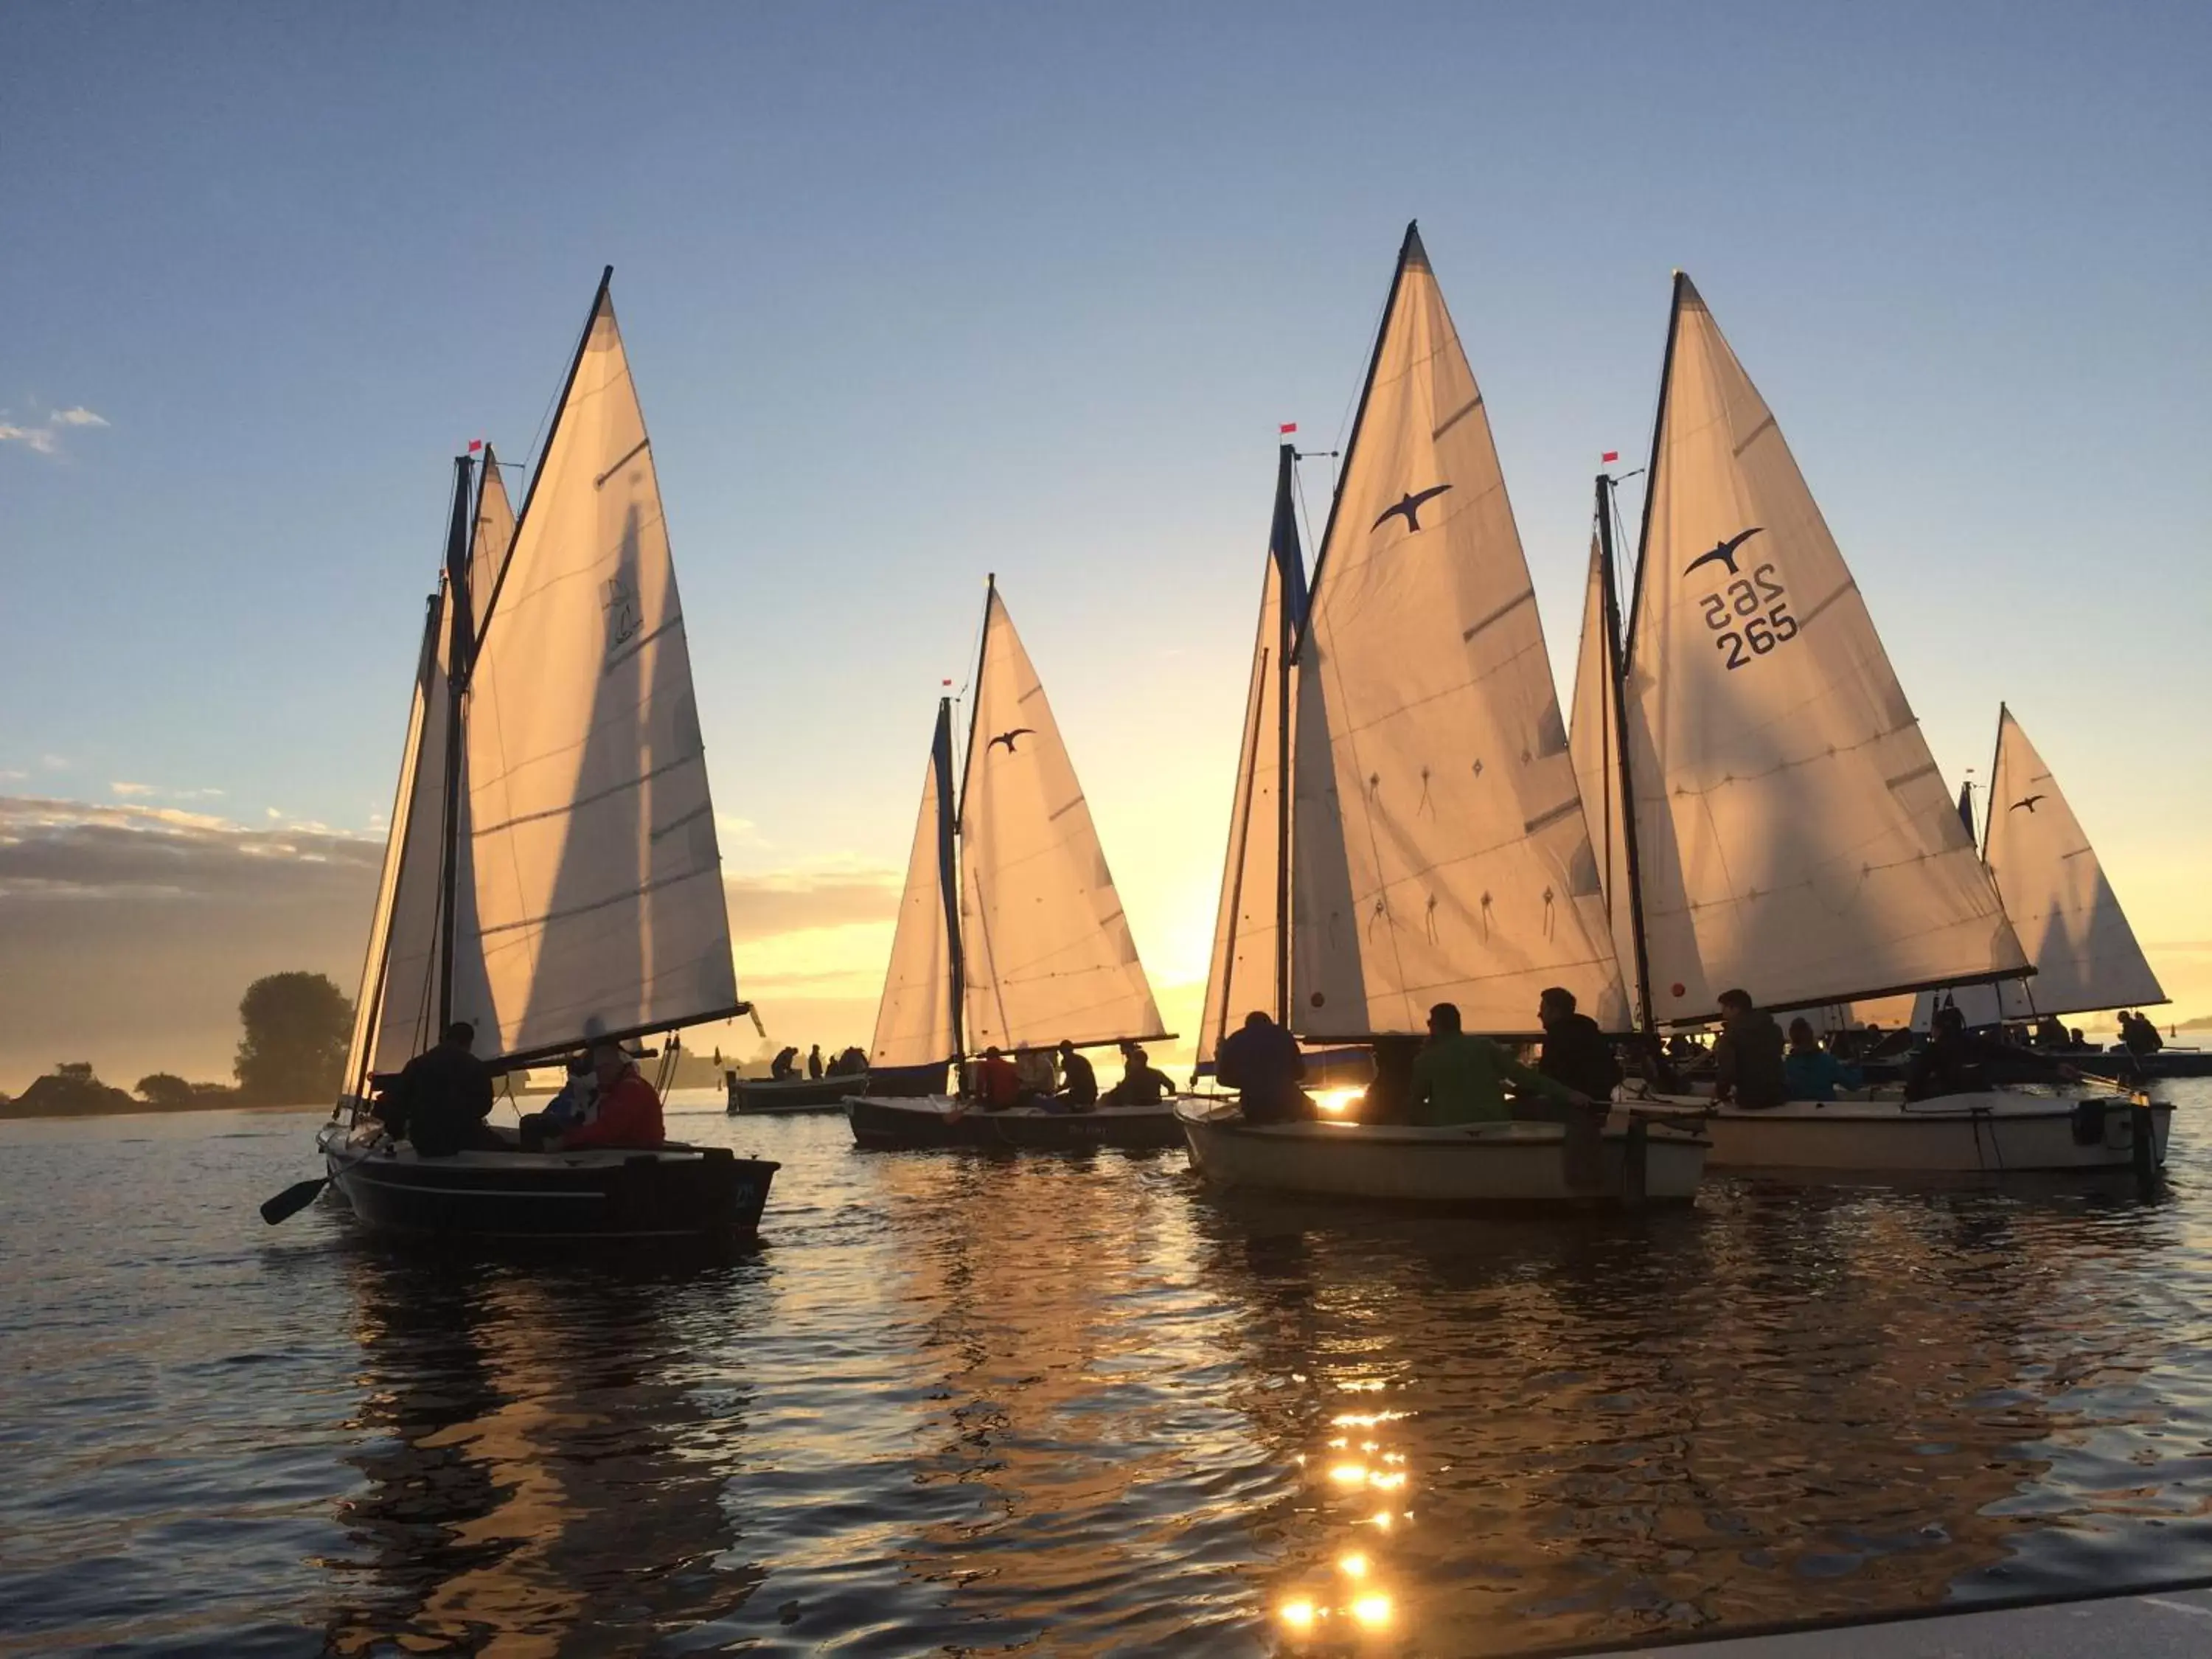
x: 1483, y: 1163
x: 1994, y: 1132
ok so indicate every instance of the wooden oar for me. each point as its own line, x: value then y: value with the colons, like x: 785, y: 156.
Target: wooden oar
x: 301, y: 1193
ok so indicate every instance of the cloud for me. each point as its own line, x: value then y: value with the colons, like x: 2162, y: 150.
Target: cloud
x: 131, y: 789
x: 41, y: 435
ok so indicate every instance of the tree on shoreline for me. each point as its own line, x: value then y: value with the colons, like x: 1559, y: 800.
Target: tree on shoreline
x: 297, y: 1027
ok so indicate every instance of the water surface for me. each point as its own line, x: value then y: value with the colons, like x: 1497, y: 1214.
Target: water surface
x: 964, y: 1403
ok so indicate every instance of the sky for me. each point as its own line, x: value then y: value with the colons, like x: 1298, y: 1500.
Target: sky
x: 916, y: 294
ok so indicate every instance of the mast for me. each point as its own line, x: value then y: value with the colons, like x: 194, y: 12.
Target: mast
x: 1990, y: 790
x: 951, y: 863
x: 1283, y: 547
x: 458, y: 656
x: 948, y: 867
x: 1650, y: 495
x: 1616, y: 677
x: 560, y: 407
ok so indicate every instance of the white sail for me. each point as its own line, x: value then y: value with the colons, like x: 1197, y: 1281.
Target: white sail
x: 1594, y: 741
x: 1794, y: 837
x: 2085, y: 953
x: 913, y: 1021
x: 1247, y: 941
x: 1440, y: 842
x: 1047, y: 952
x: 406, y: 1011
x: 376, y: 987
x: 597, y: 877
x: 493, y: 538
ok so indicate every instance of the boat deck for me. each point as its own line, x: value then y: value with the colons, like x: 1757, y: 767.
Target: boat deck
x: 2165, y: 1625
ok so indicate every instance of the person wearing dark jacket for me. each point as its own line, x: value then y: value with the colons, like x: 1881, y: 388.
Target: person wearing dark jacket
x: 1142, y: 1084
x: 1576, y: 1053
x: 1747, y: 1058
x: 1261, y: 1060
x: 446, y: 1094
x: 1956, y: 1062
x: 1079, y: 1082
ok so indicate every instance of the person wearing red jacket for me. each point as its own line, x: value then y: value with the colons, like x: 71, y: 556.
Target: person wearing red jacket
x: 629, y: 1111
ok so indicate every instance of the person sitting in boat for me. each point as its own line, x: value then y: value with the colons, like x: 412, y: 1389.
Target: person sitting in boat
x: 1457, y: 1076
x: 1747, y: 1057
x: 2049, y: 1033
x: 2140, y: 1036
x: 1261, y: 1060
x: 446, y: 1094
x: 785, y: 1067
x: 629, y: 1111
x: 814, y: 1062
x: 1141, y: 1084
x: 1957, y: 1062
x: 1079, y: 1082
x: 567, y: 1108
x: 1810, y: 1072
x: 997, y: 1084
x: 1576, y: 1053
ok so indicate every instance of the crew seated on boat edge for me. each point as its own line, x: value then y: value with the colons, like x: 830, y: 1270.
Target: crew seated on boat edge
x: 1457, y: 1076
x: 1079, y: 1082
x: 993, y: 1083
x: 1810, y: 1072
x: 1957, y: 1062
x: 784, y: 1069
x: 1747, y: 1070
x: 441, y: 1097
x: 567, y: 1108
x: 1261, y: 1060
x: 1141, y: 1084
x: 1574, y: 1052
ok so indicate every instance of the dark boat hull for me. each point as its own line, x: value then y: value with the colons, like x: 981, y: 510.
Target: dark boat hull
x: 756, y: 1096
x: 914, y: 1124
x: 703, y: 1193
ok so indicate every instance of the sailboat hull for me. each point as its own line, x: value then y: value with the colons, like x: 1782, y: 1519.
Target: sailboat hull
x: 1473, y: 1165
x: 936, y: 1120
x: 699, y: 1193
x: 754, y: 1096
x: 1987, y: 1134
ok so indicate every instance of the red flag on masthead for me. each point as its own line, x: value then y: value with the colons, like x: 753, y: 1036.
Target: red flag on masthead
x: 475, y: 444
x: 1610, y: 455
x: 1289, y: 427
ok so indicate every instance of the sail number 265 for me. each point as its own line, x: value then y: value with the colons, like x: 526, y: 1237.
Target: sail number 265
x: 1750, y: 615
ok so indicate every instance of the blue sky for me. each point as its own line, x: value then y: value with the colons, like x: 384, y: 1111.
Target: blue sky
x: 915, y: 292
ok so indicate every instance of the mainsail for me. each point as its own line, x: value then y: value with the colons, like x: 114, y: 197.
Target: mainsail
x: 1441, y: 848
x: 2085, y: 954
x: 1047, y: 953
x: 1594, y: 741
x: 916, y: 1021
x: 1792, y: 835
x: 597, y: 877
x: 1247, y: 967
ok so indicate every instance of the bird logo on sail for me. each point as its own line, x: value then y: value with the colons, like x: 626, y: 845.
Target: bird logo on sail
x: 624, y: 616
x: 1725, y: 552
x: 1007, y: 737
x: 1409, y: 506
x: 2029, y: 802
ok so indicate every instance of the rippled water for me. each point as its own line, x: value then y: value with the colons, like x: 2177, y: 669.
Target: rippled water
x: 981, y: 1404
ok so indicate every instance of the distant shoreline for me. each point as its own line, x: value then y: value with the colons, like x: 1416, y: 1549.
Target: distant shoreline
x: 13, y: 1112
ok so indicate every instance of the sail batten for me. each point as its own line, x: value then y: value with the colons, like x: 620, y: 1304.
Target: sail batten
x: 1439, y: 847
x: 1793, y: 836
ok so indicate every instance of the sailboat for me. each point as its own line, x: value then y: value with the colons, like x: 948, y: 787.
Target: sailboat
x: 2085, y: 953
x: 551, y: 873
x: 1432, y: 844
x: 1787, y: 830
x: 1010, y: 935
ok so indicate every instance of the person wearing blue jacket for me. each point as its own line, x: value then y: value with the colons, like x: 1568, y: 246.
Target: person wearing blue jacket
x: 1811, y: 1072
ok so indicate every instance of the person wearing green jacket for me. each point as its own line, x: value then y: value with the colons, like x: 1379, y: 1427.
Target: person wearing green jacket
x: 1457, y: 1078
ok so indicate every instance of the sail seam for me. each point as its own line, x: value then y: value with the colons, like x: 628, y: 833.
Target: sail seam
x: 639, y: 643
x: 638, y: 891
x: 581, y: 801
